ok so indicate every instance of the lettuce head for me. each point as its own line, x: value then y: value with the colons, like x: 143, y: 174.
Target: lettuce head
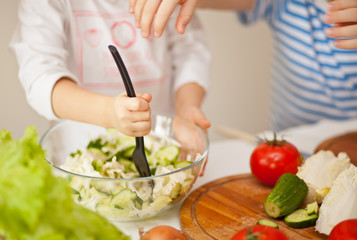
x: 36, y: 205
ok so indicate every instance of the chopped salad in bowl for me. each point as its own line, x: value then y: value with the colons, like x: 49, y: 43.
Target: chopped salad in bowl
x: 97, y: 163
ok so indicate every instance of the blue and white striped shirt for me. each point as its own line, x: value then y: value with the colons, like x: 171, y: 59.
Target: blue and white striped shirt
x: 312, y: 79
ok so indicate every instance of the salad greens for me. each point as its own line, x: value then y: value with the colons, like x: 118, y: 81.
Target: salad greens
x: 36, y: 205
x: 109, y: 155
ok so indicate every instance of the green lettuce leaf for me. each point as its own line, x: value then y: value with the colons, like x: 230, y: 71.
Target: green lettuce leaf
x: 38, y: 206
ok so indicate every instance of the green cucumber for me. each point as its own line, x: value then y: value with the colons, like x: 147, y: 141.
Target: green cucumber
x: 97, y: 153
x: 300, y: 219
x: 175, y: 192
x: 161, y: 202
x: 82, y: 193
x: 267, y: 222
x: 97, y: 166
x: 111, y: 212
x: 312, y: 208
x: 76, y: 195
x: 181, y: 164
x: 128, y: 152
x: 126, y: 199
x: 287, y: 195
x: 167, y: 155
x: 79, y: 152
x: 128, y: 164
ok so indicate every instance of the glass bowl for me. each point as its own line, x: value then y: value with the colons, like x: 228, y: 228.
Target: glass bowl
x: 103, y: 176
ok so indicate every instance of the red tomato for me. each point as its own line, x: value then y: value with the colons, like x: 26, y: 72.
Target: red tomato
x: 345, y: 230
x: 271, y: 159
x: 260, y: 232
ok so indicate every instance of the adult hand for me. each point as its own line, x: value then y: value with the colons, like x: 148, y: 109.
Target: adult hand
x: 145, y: 11
x: 343, y: 13
x: 132, y: 115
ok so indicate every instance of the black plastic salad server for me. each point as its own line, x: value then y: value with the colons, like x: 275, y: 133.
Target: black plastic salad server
x: 139, y: 157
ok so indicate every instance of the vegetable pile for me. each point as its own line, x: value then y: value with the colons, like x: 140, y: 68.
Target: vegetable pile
x: 36, y: 205
x: 323, y: 179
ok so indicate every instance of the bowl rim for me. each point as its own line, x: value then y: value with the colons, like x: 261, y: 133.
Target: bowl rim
x: 63, y: 121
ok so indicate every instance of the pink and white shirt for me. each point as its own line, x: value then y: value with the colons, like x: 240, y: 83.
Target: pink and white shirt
x: 66, y: 38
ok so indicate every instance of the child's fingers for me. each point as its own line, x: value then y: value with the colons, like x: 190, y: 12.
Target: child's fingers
x: 341, y: 4
x: 346, y: 43
x: 185, y: 15
x: 342, y: 16
x: 131, y: 6
x: 201, y: 121
x: 136, y: 117
x: 147, y: 17
x: 147, y: 97
x: 137, y: 104
x: 138, y: 129
x: 342, y: 32
x: 163, y: 14
x: 138, y: 10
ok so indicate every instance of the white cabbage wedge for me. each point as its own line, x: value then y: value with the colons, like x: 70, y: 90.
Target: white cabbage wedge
x: 319, y: 171
x: 341, y: 201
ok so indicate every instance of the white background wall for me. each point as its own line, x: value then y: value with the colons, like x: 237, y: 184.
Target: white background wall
x: 239, y: 94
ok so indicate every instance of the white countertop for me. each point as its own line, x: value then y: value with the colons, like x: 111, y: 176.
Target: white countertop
x: 231, y: 156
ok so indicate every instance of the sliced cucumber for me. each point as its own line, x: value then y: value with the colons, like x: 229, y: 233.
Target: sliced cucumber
x: 287, y: 195
x: 167, y: 155
x: 312, y: 208
x: 153, y: 171
x: 97, y: 153
x: 161, y: 202
x: 97, y: 144
x: 79, y: 152
x: 128, y: 152
x: 127, y: 199
x: 97, y: 166
x: 181, y: 164
x: 267, y: 222
x: 175, y: 192
x: 117, y: 189
x: 111, y: 212
x: 76, y: 195
x: 152, y: 160
x: 82, y: 193
x: 187, y: 185
x: 126, y: 163
x: 126, y: 140
x: 300, y: 219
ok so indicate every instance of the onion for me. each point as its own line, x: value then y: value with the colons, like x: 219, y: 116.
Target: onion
x: 162, y: 232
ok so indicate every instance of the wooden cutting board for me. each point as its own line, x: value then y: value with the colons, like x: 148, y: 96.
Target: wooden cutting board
x: 219, y: 209
x: 342, y: 143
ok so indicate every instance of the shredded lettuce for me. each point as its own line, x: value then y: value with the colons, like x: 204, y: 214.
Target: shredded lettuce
x: 36, y: 205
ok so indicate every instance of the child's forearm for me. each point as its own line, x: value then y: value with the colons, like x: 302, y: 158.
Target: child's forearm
x: 237, y: 5
x: 189, y: 95
x: 189, y: 98
x: 69, y: 101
